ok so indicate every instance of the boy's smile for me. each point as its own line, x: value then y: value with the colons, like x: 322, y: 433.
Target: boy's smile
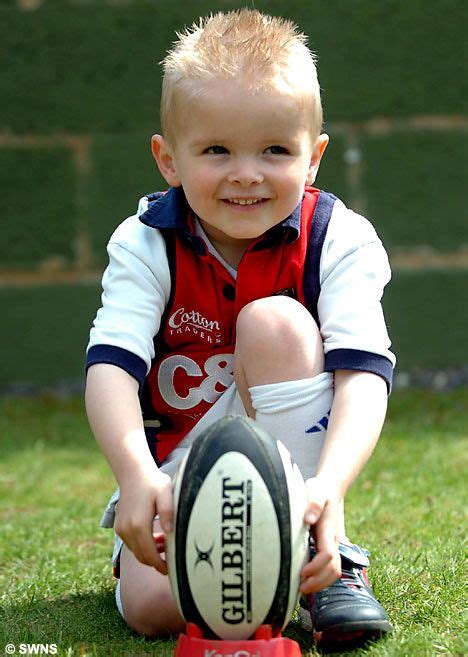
x: 242, y: 158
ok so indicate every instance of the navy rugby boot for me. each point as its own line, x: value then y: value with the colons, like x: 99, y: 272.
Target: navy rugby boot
x: 346, y: 614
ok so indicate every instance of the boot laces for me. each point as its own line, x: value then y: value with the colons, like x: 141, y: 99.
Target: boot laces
x: 351, y: 585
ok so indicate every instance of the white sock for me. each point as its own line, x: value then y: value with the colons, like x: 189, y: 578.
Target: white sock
x: 296, y: 412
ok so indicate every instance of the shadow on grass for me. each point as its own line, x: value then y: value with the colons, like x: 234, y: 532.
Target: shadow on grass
x: 87, y: 622
x: 308, y: 647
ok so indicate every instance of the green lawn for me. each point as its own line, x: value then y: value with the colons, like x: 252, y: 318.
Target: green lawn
x: 55, y: 579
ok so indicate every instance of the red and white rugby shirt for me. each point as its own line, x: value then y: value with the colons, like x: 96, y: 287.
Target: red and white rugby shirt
x: 169, y: 306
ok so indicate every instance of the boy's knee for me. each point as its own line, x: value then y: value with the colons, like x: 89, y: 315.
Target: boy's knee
x: 277, y: 319
x: 147, y: 603
x: 277, y: 340
x: 152, y: 613
x: 140, y: 613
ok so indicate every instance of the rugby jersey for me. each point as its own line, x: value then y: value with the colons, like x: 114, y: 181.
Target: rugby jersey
x: 169, y: 305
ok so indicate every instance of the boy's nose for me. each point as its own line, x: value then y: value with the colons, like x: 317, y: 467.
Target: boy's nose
x: 245, y: 174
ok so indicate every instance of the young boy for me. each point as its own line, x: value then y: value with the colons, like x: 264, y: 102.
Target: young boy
x: 242, y: 289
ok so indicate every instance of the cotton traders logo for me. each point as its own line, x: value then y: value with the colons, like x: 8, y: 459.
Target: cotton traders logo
x: 192, y: 318
x: 191, y: 321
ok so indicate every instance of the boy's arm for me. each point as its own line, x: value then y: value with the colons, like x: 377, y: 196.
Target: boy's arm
x: 114, y: 414
x: 356, y: 419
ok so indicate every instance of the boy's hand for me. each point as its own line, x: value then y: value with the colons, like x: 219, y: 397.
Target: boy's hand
x: 140, y: 501
x: 324, y: 515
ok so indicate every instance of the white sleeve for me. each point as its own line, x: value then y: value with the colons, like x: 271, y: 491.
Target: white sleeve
x: 136, y: 288
x: 354, y: 270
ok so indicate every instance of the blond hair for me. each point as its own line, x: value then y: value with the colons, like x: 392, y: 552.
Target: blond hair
x: 259, y: 50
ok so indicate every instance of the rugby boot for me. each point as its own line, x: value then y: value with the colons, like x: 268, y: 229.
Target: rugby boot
x: 346, y: 613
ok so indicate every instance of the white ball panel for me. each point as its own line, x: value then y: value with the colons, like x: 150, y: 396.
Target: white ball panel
x: 233, y: 532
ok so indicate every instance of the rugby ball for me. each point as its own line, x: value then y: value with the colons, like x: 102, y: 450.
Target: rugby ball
x: 239, y: 540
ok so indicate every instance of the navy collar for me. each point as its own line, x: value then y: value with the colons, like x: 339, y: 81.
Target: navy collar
x: 171, y: 210
x: 166, y: 210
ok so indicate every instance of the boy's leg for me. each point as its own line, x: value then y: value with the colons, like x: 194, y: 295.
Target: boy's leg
x: 146, y: 598
x: 279, y: 374
x: 278, y: 368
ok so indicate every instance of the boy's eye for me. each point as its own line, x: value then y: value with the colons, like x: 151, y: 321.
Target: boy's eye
x: 277, y: 150
x: 215, y: 150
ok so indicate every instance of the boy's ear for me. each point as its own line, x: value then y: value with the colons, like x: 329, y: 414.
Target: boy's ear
x: 164, y: 157
x: 319, y: 149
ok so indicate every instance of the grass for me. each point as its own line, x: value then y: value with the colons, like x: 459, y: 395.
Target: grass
x: 55, y: 579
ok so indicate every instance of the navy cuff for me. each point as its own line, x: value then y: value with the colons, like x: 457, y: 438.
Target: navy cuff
x: 363, y: 361
x: 126, y: 360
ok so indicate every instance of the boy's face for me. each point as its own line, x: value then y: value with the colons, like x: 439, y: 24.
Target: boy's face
x: 242, y: 158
